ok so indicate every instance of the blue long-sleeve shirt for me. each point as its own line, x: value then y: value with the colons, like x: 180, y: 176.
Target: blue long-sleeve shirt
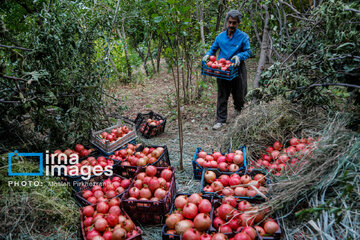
x: 237, y: 45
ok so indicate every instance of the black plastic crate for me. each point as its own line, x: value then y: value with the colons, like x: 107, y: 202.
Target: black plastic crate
x: 150, y: 212
x: 145, y: 128
x: 129, y: 171
x: 218, y: 73
x: 198, y: 169
x: 167, y: 236
x: 218, y: 173
x: 83, y: 202
x: 83, y: 235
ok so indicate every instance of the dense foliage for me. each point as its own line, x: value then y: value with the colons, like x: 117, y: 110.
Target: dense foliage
x: 323, y: 60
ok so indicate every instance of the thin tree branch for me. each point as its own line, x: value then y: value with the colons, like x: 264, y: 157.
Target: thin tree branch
x: 13, y: 78
x: 14, y: 47
x: 290, y: 6
x: 353, y: 10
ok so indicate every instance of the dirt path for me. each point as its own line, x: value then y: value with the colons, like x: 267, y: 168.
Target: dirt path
x: 157, y: 94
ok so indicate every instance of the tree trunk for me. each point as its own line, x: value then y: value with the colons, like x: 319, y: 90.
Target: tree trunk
x: 144, y: 59
x: 149, y: 55
x: 219, y: 16
x: 123, y: 36
x: 200, y: 8
x: 264, y: 48
x: 158, y: 57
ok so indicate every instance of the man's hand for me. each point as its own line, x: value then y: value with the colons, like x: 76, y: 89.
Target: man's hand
x: 237, y: 61
x: 205, y: 58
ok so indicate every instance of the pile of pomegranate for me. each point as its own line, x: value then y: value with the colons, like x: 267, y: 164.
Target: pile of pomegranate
x: 221, y: 64
x: 151, y: 184
x: 114, y: 134
x: 242, y: 218
x: 151, y: 125
x: 231, y: 162
x: 129, y: 156
x: 190, y: 218
x: 106, y: 221
x: 79, y: 150
x: 278, y: 159
x: 235, y: 185
x: 91, y: 164
x: 110, y: 189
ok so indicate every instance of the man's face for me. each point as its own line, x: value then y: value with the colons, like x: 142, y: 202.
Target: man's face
x: 232, y: 24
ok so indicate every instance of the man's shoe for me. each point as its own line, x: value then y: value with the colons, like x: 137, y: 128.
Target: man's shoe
x: 218, y: 126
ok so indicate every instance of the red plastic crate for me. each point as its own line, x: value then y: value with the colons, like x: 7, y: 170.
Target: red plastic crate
x: 150, y: 212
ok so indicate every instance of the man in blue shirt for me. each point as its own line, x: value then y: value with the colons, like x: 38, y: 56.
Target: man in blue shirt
x: 234, y: 45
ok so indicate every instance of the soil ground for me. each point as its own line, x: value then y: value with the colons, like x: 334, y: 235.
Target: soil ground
x: 158, y: 94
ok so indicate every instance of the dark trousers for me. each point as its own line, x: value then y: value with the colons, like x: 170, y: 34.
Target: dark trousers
x: 237, y: 87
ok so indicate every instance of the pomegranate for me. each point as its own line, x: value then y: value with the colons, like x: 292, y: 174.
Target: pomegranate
x: 231, y: 200
x: 227, y: 191
x: 217, y: 186
x: 218, y: 222
x: 87, y: 194
x: 112, y: 220
x: 244, y: 206
x: 230, y: 157
x: 190, y: 210
x: 101, y: 224
x: 107, y: 235
x: 224, y: 179
x: 208, y: 189
x: 277, y: 145
x: 225, y: 211
x: 134, y: 192
x: 251, y: 232
x: 242, y: 236
x: 234, y: 168
x: 260, y: 178
x: 234, y: 181
x: 115, y: 210
x: 191, y: 234
x: 88, y: 211
x: 88, y: 221
x: 166, y: 174
x: 160, y: 193
x: 119, y: 234
x: 260, y: 230
x: 150, y: 171
x: 205, y: 236
x: 225, y: 229
x: 219, y: 236
x: 269, y: 149
x: 200, y: 161
x: 172, y: 220
x: 240, y: 191
x: 205, y: 206
x: 245, y: 179
x: 234, y: 224
x: 223, y: 166
x: 181, y: 201
x: 195, y: 198
x: 154, y: 184
x: 275, y: 154
x: 294, y: 141
x: 145, y: 193
x: 247, y: 219
x: 238, y: 159
x: 270, y: 227
x: 202, y: 154
x: 221, y: 159
x: 91, y: 234
x: 210, y: 176
x: 202, y: 222
x: 182, y: 226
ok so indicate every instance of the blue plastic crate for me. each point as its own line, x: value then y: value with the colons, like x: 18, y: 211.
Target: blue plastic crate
x: 243, y: 172
x: 198, y: 169
x: 218, y: 73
